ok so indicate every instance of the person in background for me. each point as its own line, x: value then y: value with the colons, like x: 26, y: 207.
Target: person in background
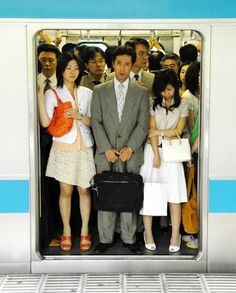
x: 120, y: 124
x: 68, y: 47
x: 168, y: 116
x: 172, y: 61
x: 47, y: 63
x: 188, y: 53
x: 71, y: 159
x: 95, y: 62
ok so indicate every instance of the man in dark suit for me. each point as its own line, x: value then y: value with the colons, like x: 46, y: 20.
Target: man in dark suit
x: 120, y: 114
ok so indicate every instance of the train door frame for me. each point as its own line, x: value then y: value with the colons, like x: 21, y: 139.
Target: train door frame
x: 114, y: 263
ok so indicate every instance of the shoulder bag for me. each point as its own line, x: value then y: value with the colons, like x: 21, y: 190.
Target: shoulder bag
x: 60, y: 125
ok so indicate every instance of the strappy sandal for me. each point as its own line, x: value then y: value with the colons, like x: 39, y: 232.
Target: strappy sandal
x: 85, y: 242
x: 66, y: 244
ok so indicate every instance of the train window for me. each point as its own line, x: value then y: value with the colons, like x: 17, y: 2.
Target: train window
x: 179, y: 50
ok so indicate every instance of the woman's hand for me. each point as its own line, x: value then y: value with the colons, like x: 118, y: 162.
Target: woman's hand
x: 156, y: 161
x: 152, y: 132
x: 71, y: 113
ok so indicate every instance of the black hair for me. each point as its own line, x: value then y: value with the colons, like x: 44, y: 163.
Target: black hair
x: 192, y: 77
x: 133, y: 42
x: 179, y: 70
x: 91, y: 52
x: 162, y: 78
x: 124, y: 50
x: 155, y: 61
x: 108, y: 52
x: 63, y: 61
x: 68, y: 47
x: 188, y: 53
x: 48, y: 48
x: 171, y: 56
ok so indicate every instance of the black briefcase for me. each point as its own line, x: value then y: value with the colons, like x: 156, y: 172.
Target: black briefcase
x: 118, y: 192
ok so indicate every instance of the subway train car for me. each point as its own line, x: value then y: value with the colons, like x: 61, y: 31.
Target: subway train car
x: 25, y: 218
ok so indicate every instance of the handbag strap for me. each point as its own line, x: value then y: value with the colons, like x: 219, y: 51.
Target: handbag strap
x: 191, y: 184
x: 56, y: 95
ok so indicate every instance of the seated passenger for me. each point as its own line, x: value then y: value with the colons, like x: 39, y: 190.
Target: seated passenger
x: 71, y: 159
x: 120, y: 124
x: 168, y: 115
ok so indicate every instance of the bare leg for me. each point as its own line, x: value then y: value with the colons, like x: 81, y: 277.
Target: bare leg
x: 175, y: 214
x: 85, y: 208
x: 147, y: 220
x: 65, y: 206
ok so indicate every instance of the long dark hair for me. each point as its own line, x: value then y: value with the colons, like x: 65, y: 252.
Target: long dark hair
x: 161, y: 80
x: 192, y: 77
x: 63, y: 61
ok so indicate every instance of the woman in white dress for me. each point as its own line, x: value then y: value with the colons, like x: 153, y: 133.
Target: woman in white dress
x: 168, y: 115
x: 71, y: 160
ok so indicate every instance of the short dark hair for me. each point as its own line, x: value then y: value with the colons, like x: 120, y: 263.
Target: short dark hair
x: 162, y: 78
x: 192, y: 77
x: 90, y: 53
x: 124, y: 50
x: 63, y: 61
x: 133, y: 42
x: 188, y: 53
x: 48, y: 48
x: 171, y: 56
x: 68, y: 47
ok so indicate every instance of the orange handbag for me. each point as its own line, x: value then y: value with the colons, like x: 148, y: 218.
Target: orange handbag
x: 60, y: 125
x: 190, y: 208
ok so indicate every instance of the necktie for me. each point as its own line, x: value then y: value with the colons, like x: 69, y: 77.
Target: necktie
x: 136, y: 76
x: 120, y: 100
x: 47, y: 84
x: 96, y: 82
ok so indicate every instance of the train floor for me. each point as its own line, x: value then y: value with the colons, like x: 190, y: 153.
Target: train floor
x: 118, y: 283
x: 162, y: 240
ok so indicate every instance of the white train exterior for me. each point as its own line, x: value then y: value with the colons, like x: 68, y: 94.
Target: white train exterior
x: 19, y: 200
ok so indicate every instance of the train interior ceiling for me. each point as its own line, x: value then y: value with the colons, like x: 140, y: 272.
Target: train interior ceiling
x: 50, y: 225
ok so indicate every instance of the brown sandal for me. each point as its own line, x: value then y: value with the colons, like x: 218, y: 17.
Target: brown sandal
x: 85, y: 242
x: 66, y: 244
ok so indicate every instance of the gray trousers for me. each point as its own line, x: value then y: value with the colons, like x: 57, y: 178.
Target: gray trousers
x: 107, y: 220
x: 107, y: 224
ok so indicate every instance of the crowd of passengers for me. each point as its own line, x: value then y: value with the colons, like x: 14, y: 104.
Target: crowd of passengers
x: 119, y: 98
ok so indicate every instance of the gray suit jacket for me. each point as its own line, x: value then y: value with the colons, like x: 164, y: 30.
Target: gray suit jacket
x: 131, y: 131
x: 147, y: 78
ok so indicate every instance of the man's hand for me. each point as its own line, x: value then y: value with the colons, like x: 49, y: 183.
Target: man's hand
x: 112, y: 155
x: 125, y: 154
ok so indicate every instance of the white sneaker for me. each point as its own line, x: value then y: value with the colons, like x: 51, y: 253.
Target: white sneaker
x: 193, y: 243
x: 187, y: 238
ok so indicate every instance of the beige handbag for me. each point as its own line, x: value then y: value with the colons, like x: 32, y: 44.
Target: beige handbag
x: 176, y: 149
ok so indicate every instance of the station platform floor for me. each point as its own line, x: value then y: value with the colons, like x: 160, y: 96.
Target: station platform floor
x: 122, y: 283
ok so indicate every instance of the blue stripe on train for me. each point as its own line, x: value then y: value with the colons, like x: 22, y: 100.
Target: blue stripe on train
x: 14, y: 196
x: 116, y: 9
x: 222, y: 197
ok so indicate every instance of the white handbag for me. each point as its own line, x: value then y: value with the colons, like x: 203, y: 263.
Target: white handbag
x: 155, y: 200
x: 176, y: 150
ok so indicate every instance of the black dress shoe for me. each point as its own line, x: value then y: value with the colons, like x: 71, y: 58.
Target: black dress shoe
x: 102, y: 247
x: 132, y: 247
x: 139, y: 238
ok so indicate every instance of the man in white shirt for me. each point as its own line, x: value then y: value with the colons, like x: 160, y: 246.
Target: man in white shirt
x: 137, y: 73
x: 47, y: 57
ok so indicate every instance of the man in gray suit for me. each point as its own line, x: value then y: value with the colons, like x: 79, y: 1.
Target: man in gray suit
x: 137, y: 72
x: 120, y: 114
